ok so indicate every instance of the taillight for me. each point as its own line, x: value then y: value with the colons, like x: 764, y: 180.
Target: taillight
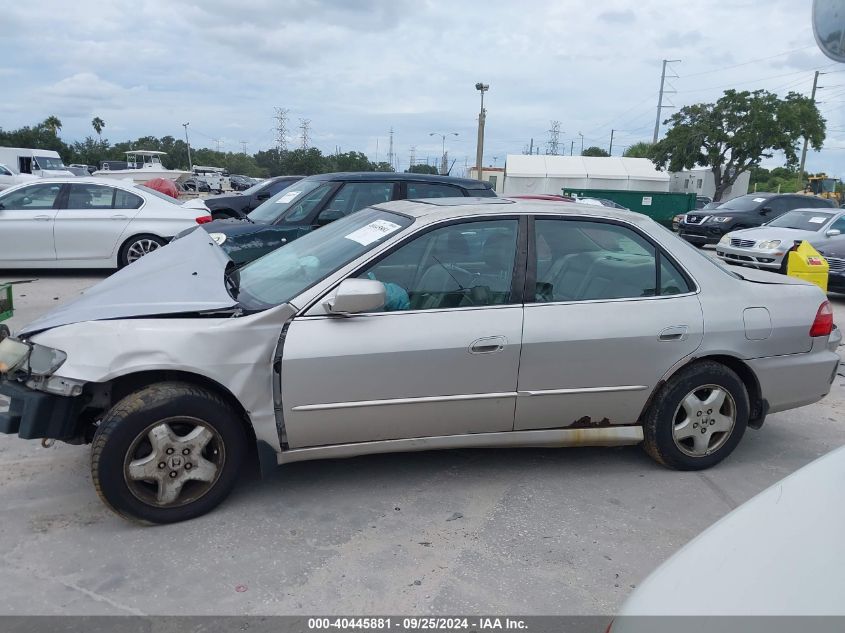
x: 823, y: 324
x: 204, y: 219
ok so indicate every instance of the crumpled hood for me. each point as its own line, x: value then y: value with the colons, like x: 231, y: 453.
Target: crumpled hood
x: 767, y: 233
x: 186, y: 276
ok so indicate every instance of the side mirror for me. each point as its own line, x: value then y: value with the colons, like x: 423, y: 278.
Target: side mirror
x: 356, y: 295
x: 833, y: 232
x: 328, y: 216
x: 765, y: 210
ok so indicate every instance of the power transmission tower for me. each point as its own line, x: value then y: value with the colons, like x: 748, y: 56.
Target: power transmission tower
x: 305, y: 133
x: 663, y: 91
x: 218, y: 141
x: 529, y: 149
x: 413, y: 156
x: 552, y: 147
x: 390, y: 156
x: 282, y: 129
x: 243, y: 146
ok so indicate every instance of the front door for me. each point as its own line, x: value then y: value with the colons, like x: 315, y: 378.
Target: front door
x: 441, y: 358
x: 611, y: 313
x: 26, y: 223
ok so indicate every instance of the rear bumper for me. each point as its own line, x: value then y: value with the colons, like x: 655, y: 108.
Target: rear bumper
x: 35, y: 414
x: 796, y: 380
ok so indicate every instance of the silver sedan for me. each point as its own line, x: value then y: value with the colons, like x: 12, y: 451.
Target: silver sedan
x: 766, y: 246
x: 414, y: 325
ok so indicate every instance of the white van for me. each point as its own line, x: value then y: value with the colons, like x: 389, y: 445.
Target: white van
x: 38, y: 162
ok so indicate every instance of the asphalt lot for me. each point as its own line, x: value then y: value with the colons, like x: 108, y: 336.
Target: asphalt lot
x: 530, y: 531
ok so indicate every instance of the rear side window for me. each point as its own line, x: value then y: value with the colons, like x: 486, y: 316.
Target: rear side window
x: 125, y: 200
x: 584, y: 261
x: 417, y: 190
x: 354, y: 196
x: 481, y: 193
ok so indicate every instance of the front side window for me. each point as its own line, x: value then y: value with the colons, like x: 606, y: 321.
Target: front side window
x: 583, y: 261
x: 286, y: 272
x: 31, y: 197
x: 88, y: 196
x: 461, y: 265
x: 4, y: 171
x: 839, y: 225
x: 420, y: 190
x: 354, y: 196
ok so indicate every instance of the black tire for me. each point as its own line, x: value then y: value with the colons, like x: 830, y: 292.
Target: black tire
x: 660, y: 419
x: 125, y: 254
x: 128, y: 424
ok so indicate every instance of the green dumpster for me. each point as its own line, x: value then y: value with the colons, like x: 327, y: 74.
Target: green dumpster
x: 658, y: 205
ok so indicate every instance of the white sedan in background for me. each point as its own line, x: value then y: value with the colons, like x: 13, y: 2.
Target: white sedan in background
x: 88, y: 223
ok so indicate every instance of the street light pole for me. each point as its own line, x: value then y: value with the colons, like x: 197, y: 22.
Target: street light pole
x: 190, y: 164
x: 482, y: 115
x: 443, y: 155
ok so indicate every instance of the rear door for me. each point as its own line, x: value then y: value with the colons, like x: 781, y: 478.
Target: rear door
x: 92, y: 220
x: 607, y: 314
x: 27, y: 216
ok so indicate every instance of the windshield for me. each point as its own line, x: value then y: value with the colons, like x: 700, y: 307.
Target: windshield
x: 272, y: 209
x: 158, y: 194
x: 743, y: 203
x: 48, y: 162
x: 286, y: 272
x: 804, y: 219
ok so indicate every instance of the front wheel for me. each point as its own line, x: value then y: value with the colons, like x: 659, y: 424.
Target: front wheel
x: 166, y: 453
x: 698, y: 418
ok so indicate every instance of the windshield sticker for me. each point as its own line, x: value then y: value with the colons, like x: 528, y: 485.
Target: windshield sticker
x: 759, y: 199
x: 366, y: 235
x: 290, y: 195
x: 818, y: 219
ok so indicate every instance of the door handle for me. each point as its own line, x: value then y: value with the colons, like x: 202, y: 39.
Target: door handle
x: 42, y: 218
x: 119, y: 217
x: 488, y: 345
x: 673, y: 333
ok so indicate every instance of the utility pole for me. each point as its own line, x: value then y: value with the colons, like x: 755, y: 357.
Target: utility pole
x: 243, y: 146
x: 281, y: 129
x: 582, y: 143
x: 217, y: 141
x: 531, y: 146
x: 188, y: 143
x: 610, y: 150
x: 482, y: 117
x: 571, y: 147
x: 804, y: 150
x: 390, y: 156
x: 554, y: 138
x: 443, y: 159
x: 305, y: 133
x: 660, y: 105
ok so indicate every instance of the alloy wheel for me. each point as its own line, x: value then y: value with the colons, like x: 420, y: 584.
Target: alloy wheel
x: 704, y: 420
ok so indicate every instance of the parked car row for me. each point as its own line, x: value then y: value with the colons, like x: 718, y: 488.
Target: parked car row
x: 410, y: 325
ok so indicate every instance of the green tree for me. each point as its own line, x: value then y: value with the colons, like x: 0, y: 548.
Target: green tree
x: 422, y: 168
x: 737, y: 132
x: 53, y: 124
x: 594, y: 151
x: 639, y: 150
x: 98, y: 124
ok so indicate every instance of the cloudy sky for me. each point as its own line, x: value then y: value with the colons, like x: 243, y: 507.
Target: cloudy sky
x: 356, y: 68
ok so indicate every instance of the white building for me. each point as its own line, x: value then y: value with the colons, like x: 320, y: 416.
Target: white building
x: 701, y: 182
x: 551, y: 174
x: 494, y: 175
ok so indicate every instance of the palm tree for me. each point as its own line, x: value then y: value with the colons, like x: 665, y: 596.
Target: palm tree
x: 53, y: 124
x: 98, y: 124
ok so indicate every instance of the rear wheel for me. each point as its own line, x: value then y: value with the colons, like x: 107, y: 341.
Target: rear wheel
x: 698, y: 418
x: 167, y: 453
x: 136, y: 247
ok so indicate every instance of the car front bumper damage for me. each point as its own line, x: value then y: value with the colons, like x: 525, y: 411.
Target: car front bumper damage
x: 38, y: 415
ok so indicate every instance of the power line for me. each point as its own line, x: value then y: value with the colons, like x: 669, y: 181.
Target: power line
x: 752, y: 61
x: 751, y: 81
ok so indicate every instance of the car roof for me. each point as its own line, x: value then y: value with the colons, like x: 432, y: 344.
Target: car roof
x: 466, y: 183
x: 93, y: 180
x: 434, y: 209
